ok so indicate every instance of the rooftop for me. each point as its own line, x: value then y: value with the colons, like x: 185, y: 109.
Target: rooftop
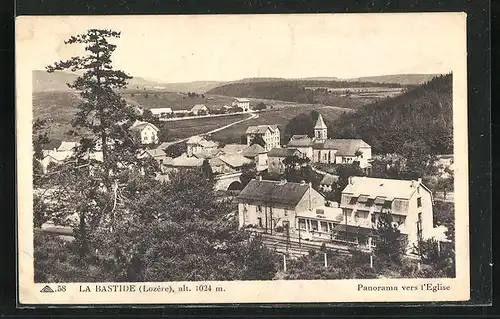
x: 161, y: 110
x: 300, y: 141
x: 381, y: 187
x: 253, y: 150
x: 235, y: 160
x: 139, y: 126
x: 320, y: 124
x: 234, y: 148
x: 241, y: 99
x: 67, y: 146
x: 198, y: 107
x: 53, y: 144
x: 261, y: 129
x: 273, y: 192
x: 282, y: 152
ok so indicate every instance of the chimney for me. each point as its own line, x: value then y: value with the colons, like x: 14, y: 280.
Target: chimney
x: 259, y: 177
x: 302, y: 182
x: 350, y: 180
x: 420, y: 180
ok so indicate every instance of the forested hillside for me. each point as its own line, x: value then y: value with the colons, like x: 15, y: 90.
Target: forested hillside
x: 421, y: 117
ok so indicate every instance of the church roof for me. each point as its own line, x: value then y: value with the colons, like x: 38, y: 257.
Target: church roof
x: 320, y: 124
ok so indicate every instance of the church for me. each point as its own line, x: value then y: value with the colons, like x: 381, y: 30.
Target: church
x: 320, y: 149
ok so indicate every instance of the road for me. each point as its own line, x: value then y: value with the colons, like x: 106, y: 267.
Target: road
x: 252, y: 116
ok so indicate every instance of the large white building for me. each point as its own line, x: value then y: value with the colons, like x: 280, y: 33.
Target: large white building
x: 321, y: 149
x: 265, y: 205
x: 242, y: 103
x: 408, y: 201
x: 269, y: 133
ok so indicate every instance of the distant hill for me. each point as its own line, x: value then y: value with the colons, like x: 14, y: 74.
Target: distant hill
x: 403, y: 79
x: 422, y: 116
x: 50, y: 82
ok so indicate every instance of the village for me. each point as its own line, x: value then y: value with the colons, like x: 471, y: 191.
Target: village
x: 292, y: 216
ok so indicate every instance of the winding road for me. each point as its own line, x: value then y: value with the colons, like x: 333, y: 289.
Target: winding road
x: 252, y: 116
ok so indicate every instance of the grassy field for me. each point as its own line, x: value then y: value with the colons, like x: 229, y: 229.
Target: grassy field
x: 59, y: 108
x: 186, y: 128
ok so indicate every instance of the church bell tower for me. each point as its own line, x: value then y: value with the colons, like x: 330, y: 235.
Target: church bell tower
x: 320, y: 129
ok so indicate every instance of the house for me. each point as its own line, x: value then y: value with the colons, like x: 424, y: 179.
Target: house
x: 67, y: 146
x: 242, y: 103
x: 269, y: 133
x: 364, y: 199
x: 156, y: 154
x: 144, y: 132
x: 52, y: 158
x: 445, y: 164
x: 327, y: 182
x: 198, y: 145
x: 199, y: 109
x: 266, y: 205
x: 161, y: 112
x: 276, y: 156
x: 321, y: 149
x: 258, y: 155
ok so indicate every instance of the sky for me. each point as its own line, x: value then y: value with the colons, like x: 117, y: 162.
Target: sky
x: 232, y: 47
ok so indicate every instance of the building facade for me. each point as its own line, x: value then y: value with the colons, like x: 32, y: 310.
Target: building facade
x: 408, y: 201
x: 145, y: 133
x: 242, y: 103
x: 266, y: 205
x: 269, y: 133
x: 197, y: 145
x: 276, y: 156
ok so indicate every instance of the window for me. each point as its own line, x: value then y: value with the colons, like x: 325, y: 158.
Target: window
x: 259, y: 208
x: 325, y: 156
x: 374, y: 218
x: 324, y: 227
x: 419, y: 202
x: 302, y: 223
x: 259, y: 220
x: 419, y: 226
x: 314, y: 225
x: 353, y: 200
x: 286, y: 212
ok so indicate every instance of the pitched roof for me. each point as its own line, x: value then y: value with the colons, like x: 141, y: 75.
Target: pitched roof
x: 67, y: 146
x: 235, y: 160
x: 253, y: 150
x: 198, y: 107
x: 273, y: 192
x: 206, y: 153
x: 381, y: 187
x: 53, y: 144
x: 216, y: 162
x: 261, y: 129
x: 329, y: 179
x: 242, y: 99
x: 345, y: 147
x: 300, y: 141
x: 156, y: 152
x: 320, y: 124
x: 282, y: 152
x: 187, y: 161
x: 161, y: 110
x: 139, y: 126
x: 234, y: 148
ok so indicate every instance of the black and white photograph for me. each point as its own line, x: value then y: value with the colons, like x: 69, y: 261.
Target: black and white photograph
x: 242, y: 158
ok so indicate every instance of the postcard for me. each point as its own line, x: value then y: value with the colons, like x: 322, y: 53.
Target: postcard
x: 209, y: 159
